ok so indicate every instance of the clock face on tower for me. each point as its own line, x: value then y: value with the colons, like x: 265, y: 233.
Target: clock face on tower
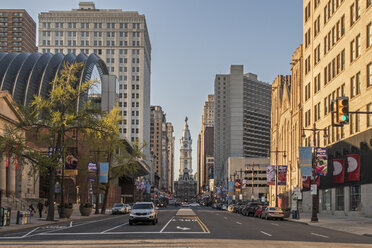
x: 185, y: 145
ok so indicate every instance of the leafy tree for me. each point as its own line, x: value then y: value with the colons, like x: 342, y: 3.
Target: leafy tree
x: 123, y: 160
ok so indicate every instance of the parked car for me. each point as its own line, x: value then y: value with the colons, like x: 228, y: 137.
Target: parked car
x: 250, y: 208
x: 119, y: 208
x: 194, y: 204
x: 258, y: 211
x: 272, y: 213
x: 144, y: 212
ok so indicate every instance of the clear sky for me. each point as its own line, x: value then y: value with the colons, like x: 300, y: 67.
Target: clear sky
x: 193, y: 40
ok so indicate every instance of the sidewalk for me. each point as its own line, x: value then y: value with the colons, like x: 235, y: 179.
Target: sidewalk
x: 350, y: 224
x: 38, y: 222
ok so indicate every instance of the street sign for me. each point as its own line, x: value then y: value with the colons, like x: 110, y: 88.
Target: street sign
x: 313, y: 189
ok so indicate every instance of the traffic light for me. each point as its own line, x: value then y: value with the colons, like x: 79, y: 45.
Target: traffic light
x: 343, y: 110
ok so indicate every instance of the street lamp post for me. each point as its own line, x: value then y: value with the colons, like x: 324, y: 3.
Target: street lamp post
x: 96, y: 153
x: 315, y: 201
x: 276, y: 172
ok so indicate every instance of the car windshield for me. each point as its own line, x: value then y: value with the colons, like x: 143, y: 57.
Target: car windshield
x: 117, y: 205
x: 142, y: 206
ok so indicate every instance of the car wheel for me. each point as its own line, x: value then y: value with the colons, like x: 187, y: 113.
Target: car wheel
x: 130, y: 223
x: 154, y: 222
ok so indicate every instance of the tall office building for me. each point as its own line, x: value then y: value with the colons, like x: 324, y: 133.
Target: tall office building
x: 156, y: 143
x: 205, y: 146
x: 171, y: 139
x: 17, y: 31
x: 121, y: 39
x: 241, y: 119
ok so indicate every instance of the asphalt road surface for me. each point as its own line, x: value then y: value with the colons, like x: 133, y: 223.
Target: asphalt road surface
x: 208, y: 226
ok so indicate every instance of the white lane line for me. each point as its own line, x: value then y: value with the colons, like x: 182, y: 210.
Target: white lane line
x: 268, y: 234
x: 315, y: 234
x: 117, y: 233
x: 238, y: 223
x: 225, y: 218
x: 115, y: 227
x: 166, y: 224
x: 30, y: 232
x: 84, y: 223
x: 274, y: 224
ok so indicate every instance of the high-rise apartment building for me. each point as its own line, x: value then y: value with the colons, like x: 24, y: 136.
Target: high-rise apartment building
x: 17, y: 31
x: 241, y: 119
x: 121, y: 39
x: 205, y: 146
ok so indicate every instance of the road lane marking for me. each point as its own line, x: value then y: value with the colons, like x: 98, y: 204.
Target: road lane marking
x: 29, y: 232
x: 166, y: 224
x: 225, y: 218
x: 183, y: 228
x: 238, y: 223
x: 115, y: 227
x: 268, y: 234
x: 274, y: 224
x: 315, y: 234
x: 203, y: 225
x: 84, y: 223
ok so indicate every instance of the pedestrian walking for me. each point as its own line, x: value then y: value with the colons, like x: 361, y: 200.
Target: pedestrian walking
x: 40, y: 207
x: 46, y: 204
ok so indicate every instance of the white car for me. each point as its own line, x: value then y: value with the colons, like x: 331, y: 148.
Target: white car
x: 194, y: 204
x: 143, y: 212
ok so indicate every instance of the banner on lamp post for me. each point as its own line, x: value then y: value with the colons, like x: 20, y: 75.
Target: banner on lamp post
x: 230, y: 188
x: 92, y: 167
x: 321, y: 161
x: 353, y: 167
x: 338, y: 170
x: 103, y: 172
x: 306, y: 171
x: 244, y: 183
x: 305, y: 156
x: 282, y: 175
x: 238, y: 185
x: 270, y: 175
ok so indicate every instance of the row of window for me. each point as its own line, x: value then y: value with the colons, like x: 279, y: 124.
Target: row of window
x: 82, y: 34
x: 91, y: 25
x: 125, y: 105
x: 14, y: 14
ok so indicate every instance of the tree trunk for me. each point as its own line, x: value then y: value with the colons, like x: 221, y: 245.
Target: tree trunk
x: 52, y: 184
x: 107, y: 189
x: 62, y: 204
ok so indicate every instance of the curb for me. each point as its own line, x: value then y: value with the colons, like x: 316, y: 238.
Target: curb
x: 299, y: 222
x: 24, y: 227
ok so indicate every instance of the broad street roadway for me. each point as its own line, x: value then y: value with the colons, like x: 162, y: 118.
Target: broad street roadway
x: 207, y: 228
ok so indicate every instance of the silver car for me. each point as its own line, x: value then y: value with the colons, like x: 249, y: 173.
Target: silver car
x: 119, y: 208
x: 272, y: 213
x: 143, y: 212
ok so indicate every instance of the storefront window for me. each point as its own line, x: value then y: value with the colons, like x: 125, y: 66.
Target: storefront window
x: 326, y: 200
x: 340, y: 199
x: 355, y: 198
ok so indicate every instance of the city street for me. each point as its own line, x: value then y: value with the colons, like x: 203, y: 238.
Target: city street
x: 207, y: 224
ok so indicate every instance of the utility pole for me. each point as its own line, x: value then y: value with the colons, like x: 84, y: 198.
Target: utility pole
x: 276, y: 172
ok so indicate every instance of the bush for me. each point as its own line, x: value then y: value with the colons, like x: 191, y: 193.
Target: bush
x: 86, y: 205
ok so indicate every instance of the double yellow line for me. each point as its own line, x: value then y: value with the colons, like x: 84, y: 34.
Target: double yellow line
x: 202, y: 225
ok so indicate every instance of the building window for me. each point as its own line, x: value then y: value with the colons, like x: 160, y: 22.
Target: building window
x: 352, y: 51
x: 369, y: 34
x: 340, y: 199
x: 326, y: 204
x: 355, y: 198
x: 352, y: 14
x: 352, y: 87
x: 369, y: 3
x: 357, y: 83
x: 357, y: 46
x: 369, y: 116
